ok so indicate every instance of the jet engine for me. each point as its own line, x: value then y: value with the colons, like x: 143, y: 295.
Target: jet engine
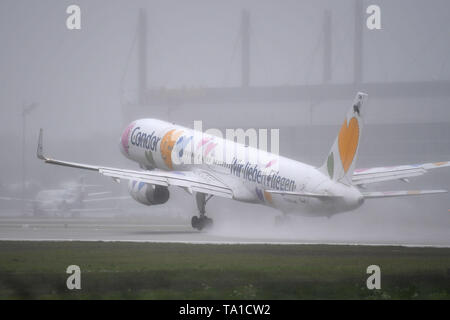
x: 148, y: 194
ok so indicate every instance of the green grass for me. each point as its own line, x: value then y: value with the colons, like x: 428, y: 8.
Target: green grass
x: 36, y: 270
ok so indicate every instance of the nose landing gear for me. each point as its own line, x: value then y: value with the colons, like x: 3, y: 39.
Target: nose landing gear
x: 202, y: 221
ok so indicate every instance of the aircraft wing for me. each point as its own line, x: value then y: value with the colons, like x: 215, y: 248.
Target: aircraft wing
x: 366, y: 195
x: 79, y: 210
x: 405, y: 193
x: 371, y: 175
x: 189, y: 180
x: 107, y: 199
x: 101, y: 193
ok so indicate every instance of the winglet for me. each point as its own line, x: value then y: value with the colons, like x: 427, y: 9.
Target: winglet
x: 40, y: 153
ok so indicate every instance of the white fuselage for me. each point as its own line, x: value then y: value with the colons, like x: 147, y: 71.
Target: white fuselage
x: 249, y: 172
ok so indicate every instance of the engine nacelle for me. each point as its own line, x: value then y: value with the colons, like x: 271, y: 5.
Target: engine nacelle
x: 148, y: 194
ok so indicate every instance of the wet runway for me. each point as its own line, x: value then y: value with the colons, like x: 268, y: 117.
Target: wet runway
x: 149, y: 230
x: 114, y: 230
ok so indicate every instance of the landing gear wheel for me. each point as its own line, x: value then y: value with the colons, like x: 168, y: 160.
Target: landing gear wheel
x: 202, y: 222
x: 195, y: 222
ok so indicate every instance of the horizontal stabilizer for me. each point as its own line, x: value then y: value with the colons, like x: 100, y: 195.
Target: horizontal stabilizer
x: 404, y: 193
x: 381, y: 174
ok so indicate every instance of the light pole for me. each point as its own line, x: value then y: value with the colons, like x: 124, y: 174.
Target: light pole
x: 26, y: 110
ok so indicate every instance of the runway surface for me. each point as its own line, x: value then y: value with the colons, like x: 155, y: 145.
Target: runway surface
x: 114, y: 230
x: 148, y: 230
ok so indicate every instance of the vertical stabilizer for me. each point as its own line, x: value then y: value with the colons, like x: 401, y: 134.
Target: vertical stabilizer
x: 341, y: 159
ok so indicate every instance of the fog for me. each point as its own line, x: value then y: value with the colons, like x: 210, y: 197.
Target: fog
x: 86, y: 88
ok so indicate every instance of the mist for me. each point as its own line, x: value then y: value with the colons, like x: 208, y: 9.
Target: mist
x: 87, y: 86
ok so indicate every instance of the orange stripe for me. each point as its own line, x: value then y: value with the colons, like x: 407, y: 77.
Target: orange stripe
x: 166, y: 146
x: 268, y: 197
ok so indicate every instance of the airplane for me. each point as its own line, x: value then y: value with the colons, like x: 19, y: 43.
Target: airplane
x: 172, y: 155
x: 69, y: 200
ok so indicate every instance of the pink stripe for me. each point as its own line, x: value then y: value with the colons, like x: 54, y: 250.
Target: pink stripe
x: 210, y: 147
x: 203, y: 142
x: 271, y: 163
x: 125, y: 136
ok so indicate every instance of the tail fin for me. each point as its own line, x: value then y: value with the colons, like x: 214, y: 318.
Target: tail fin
x: 341, y: 160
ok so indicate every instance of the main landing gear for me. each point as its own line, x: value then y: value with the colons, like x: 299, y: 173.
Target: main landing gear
x: 202, y: 221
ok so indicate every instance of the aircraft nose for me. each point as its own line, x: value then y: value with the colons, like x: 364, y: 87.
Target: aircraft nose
x: 125, y: 139
x: 121, y: 147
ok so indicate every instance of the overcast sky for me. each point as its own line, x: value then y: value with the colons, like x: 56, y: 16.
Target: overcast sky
x: 81, y: 76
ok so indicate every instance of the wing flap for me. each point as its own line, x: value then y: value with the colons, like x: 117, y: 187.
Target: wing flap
x: 184, y: 179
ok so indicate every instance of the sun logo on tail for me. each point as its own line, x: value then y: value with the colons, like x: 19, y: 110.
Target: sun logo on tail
x: 348, y: 142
